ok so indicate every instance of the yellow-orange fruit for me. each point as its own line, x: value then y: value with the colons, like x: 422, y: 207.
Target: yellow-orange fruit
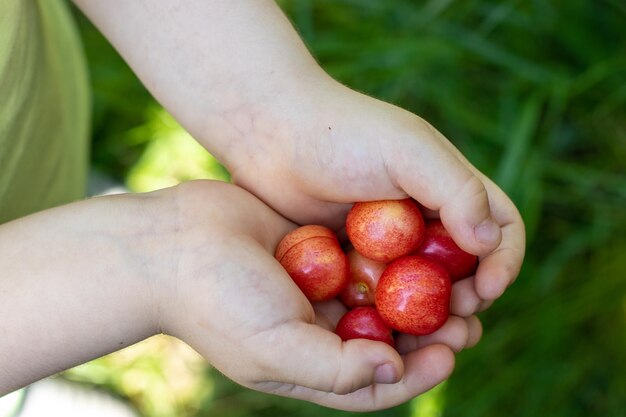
x: 385, y: 230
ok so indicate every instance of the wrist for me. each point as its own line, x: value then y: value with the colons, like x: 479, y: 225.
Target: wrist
x: 257, y: 118
x: 156, y: 239
x: 131, y: 239
x: 80, y: 281
x: 192, y: 211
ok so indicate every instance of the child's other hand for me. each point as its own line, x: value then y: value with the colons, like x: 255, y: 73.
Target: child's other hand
x: 234, y: 303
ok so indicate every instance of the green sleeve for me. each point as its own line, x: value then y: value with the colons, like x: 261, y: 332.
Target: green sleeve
x: 44, y: 107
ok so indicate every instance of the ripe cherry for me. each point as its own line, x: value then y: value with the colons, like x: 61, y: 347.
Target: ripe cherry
x: 313, y: 258
x: 364, y: 323
x: 385, y: 230
x: 413, y: 295
x: 439, y: 246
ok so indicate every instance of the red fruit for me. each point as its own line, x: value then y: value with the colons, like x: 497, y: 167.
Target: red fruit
x: 364, y: 323
x: 298, y: 235
x: 439, y: 246
x: 311, y: 255
x: 413, y: 295
x: 364, y: 275
x: 385, y: 230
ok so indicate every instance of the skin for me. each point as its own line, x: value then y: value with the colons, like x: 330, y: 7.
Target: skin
x: 110, y: 271
x: 237, y: 76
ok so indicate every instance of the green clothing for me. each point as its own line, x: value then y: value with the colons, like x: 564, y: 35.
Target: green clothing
x: 44, y: 107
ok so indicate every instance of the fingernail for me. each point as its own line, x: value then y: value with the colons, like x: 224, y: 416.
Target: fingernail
x: 385, y: 374
x: 487, y: 231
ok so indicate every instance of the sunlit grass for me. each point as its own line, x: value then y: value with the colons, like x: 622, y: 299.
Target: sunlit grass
x: 161, y: 376
x: 430, y: 404
x: 172, y: 156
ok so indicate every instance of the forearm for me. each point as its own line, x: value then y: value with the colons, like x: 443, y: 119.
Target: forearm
x: 76, y: 282
x: 218, y: 66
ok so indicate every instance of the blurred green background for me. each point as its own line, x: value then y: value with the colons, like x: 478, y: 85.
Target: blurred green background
x: 534, y: 93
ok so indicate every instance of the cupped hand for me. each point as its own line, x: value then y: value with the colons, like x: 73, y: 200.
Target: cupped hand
x: 239, y: 78
x: 233, y: 302
x: 311, y: 160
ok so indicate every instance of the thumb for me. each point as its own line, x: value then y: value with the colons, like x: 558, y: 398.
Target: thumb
x: 312, y: 357
x: 466, y: 214
x: 429, y: 172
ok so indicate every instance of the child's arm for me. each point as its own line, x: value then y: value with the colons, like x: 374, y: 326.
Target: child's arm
x: 194, y: 261
x: 238, y: 77
x: 80, y: 281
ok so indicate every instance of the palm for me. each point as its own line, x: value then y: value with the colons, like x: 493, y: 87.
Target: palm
x: 235, y: 304
x: 273, y: 341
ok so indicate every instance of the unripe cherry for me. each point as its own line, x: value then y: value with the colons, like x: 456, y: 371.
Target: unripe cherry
x: 364, y: 275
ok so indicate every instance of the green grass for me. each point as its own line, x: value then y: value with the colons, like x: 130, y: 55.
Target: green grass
x: 534, y: 93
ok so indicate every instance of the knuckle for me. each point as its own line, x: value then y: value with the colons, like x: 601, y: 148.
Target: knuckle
x: 464, y: 335
x: 472, y: 188
x: 459, y: 333
x: 346, y: 380
x: 464, y: 298
x: 343, y: 384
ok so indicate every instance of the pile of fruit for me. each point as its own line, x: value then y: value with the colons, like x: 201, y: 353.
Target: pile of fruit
x: 396, y: 275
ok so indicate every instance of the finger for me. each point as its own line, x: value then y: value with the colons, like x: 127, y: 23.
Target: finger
x: 428, y: 171
x: 499, y: 269
x: 424, y: 369
x: 464, y: 300
x: 453, y: 334
x: 296, y: 351
x: 478, y: 197
x: 312, y: 357
x: 474, y: 331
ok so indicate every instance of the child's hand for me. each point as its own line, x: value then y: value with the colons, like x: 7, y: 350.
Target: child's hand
x: 239, y: 78
x: 195, y: 261
x: 338, y: 146
x: 234, y: 303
